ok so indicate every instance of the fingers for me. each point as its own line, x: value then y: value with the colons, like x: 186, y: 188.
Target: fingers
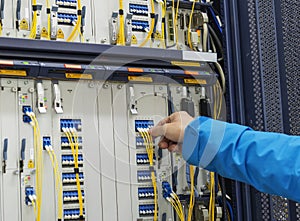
x: 165, y: 143
x: 157, y: 131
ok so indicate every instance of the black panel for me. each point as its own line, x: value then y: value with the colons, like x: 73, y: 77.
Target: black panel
x: 264, y: 66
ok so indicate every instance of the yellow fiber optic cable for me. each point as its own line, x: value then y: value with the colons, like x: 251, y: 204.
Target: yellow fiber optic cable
x: 60, y: 187
x: 48, y: 19
x: 76, y: 30
x: 121, y: 24
x: 151, y: 27
x: 34, y: 21
x: 190, y: 24
x: 175, y: 23
x: 192, y: 199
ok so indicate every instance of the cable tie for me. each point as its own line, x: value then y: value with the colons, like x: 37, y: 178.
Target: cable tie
x: 76, y: 170
x: 152, y: 15
x: 34, y: 8
x: 81, y: 217
x: 163, y: 20
x: 121, y: 12
x: 79, y: 12
x: 48, y: 10
x: 151, y: 168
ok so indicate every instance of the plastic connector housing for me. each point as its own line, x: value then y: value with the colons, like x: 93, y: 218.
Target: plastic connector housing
x: 70, y: 123
x: 145, y: 193
x: 72, y: 214
x: 46, y: 142
x: 144, y: 176
x: 138, y: 9
x: 140, y: 26
x: 146, y: 210
x: 26, y: 109
x: 71, y: 196
x: 144, y: 124
x: 67, y: 160
x: 70, y: 178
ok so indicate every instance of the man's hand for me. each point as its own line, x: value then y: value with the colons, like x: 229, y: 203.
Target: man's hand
x: 171, y: 130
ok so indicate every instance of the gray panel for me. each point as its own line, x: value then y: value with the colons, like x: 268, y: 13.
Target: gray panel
x: 25, y: 96
x: 123, y: 180
x: 11, y: 185
x: 107, y: 151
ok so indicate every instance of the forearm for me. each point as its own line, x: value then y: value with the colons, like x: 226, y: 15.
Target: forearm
x: 268, y: 161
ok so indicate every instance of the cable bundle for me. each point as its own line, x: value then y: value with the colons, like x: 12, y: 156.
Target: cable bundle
x: 72, y: 136
x: 58, y: 182
x: 38, y: 158
x: 76, y: 30
x: 144, y: 132
x: 150, y: 32
x: 171, y: 197
x: 32, y: 34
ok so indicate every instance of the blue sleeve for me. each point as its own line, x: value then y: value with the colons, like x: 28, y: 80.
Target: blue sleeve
x: 268, y: 161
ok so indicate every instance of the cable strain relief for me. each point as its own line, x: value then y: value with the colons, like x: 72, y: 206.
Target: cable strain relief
x: 151, y: 168
x: 76, y: 170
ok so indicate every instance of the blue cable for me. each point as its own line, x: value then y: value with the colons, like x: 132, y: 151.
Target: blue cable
x: 215, y: 18
x: 230, y: 210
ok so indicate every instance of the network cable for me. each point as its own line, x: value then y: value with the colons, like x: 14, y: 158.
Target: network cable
x: 121, y: 38
x: 38, y: 155
x: 147, y: 138
x: 150, y: 32
x: 72, y: 136
x: 190, y: 24
x: 32, y: 34
x: 58, y: 181
x: 173, y: 199
x: 76, y: 30
x: 48, y: 19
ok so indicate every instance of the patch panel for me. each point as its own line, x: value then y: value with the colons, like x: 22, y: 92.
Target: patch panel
x: 144, y: 176
x: 70, y: 178
x: 70, y: 123
x: 146, y: 210
x: 138, y: 9
x: 71, y: 196
x: 140, y: 26
x: 72, y: 214
x: 66, y: 19
x: 142, y: 159
x: 145, y: 193
x: 67, y: 3
x: 144, y: 124
x: 68, y: 160
x: 65, y: 144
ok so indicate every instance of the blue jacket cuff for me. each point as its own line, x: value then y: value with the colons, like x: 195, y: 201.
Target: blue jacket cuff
x: 202, y: 140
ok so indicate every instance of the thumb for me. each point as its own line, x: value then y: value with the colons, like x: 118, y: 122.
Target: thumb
x: 157, y: 131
